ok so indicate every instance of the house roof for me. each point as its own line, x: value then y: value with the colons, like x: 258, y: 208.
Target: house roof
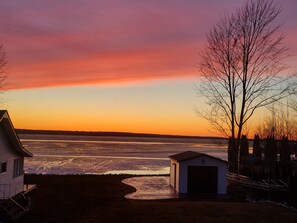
x: 180, y: 157
x: 8, y: 129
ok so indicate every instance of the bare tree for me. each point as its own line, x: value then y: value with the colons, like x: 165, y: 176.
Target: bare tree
x: 241, y: 67
x: 279, y: 121
x: 293, y: 101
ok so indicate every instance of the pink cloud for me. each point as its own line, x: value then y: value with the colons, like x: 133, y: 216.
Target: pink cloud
x: 57, y: 43
x: 112, y: 68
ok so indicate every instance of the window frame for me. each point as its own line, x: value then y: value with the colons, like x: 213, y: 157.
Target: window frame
x: 18, y: 167
x: 3, y: 165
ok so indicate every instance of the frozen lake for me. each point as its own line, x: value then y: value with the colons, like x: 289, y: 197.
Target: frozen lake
x: 65, y: 154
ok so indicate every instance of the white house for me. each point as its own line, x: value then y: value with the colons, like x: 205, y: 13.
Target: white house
x: 193, y: 172
x: 12, y: 155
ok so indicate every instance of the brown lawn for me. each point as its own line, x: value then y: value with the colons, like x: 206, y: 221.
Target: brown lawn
x: 86, y: 198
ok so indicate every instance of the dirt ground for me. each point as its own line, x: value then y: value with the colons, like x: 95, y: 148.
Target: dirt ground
x: 89, y: 198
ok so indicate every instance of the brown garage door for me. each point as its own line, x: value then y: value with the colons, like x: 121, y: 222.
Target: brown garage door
x: 202, y: 179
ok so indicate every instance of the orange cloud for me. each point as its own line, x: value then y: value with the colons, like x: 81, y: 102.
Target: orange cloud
x: 109, y: 68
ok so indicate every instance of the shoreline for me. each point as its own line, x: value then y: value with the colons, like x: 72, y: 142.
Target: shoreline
x: 100, y: 198
x: 111, y: 134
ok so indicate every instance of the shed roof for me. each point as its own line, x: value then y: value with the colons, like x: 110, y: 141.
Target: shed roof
x: 8, y: 129
x: 183, y: 156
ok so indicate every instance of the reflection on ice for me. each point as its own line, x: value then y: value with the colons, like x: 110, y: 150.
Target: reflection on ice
x: 150, y: 188
x: 105, y: 157
x: 165, y: 170
x: 91, y: 165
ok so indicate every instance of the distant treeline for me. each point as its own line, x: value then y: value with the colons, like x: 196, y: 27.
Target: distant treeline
x: 121, y: 134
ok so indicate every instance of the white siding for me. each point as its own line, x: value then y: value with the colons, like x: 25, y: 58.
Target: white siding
x: 174, y: 177
x: 9, y: 185
x: 182, y: 172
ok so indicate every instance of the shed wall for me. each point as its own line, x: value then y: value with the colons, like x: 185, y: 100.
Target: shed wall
x: 174, y: 178
x: 202, y: 161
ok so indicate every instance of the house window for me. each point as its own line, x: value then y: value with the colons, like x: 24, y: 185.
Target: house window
x: 18, y: 167
x: 3, y: 167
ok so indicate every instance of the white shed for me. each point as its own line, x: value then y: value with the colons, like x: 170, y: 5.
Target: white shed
x: 193, y: 172
x: 12, y: 155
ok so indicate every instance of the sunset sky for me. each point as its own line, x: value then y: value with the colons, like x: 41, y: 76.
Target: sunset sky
x: 112, y: 65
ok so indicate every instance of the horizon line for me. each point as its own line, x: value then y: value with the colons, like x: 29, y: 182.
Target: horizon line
x: 108, y: 133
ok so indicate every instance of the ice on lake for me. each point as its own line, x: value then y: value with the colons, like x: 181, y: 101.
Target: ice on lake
x: 64, y: 154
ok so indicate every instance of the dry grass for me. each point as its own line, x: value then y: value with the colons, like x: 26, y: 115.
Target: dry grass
x: 85, y: 198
